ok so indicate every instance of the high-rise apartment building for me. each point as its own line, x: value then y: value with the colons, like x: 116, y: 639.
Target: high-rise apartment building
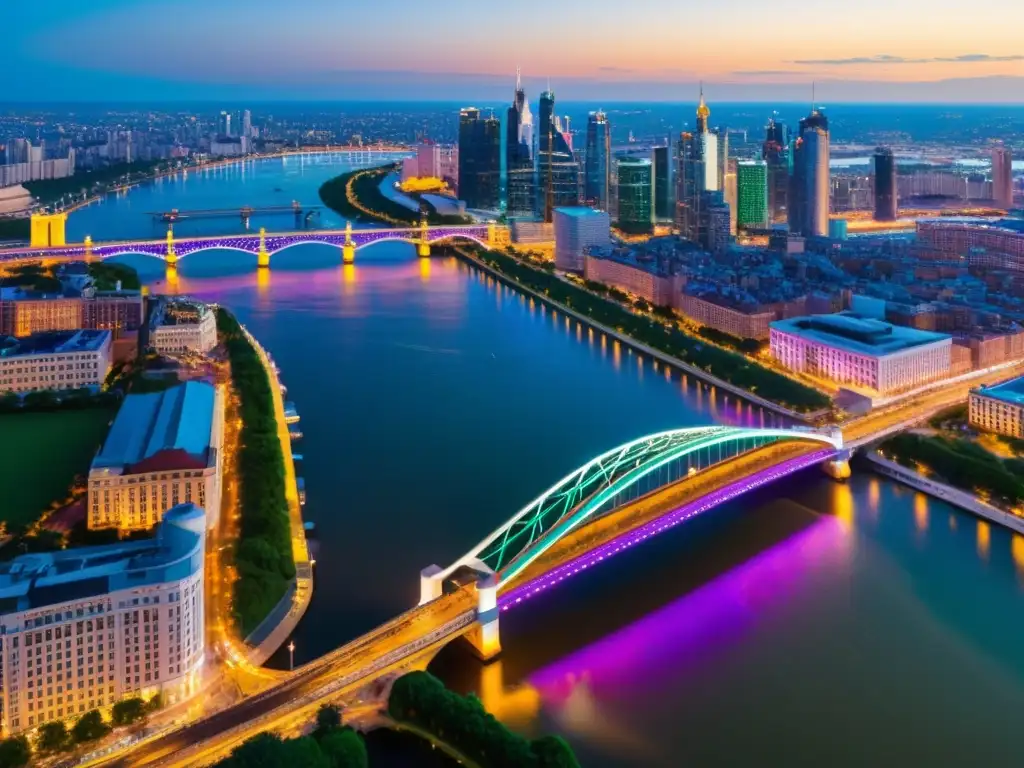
x: 810, y: 182
x: 635, y: 182
x: 597, y: 162
x: 1002, y: 177
x: 752, y: 194
x: 885, y: 185
x: 558, y: 183
x: 479, y: 160
x: 775, y: 152
x: 519, y: 154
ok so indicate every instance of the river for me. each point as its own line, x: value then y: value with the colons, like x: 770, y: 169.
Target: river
x: 813, y: 623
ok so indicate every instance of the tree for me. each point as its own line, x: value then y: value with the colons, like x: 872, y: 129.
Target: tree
x: 328, y: 717
x: 345, y: 748
x: 89, y: 727
x: 128, y: 711
x: 14, y: 752
x: 53, y: 737
x: 553, y: 752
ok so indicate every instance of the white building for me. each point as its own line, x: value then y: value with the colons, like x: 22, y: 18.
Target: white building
x: 576, y: 230
x: 183, y: 326
x: 163, y: 449
x: 54, y: 360
x: 83, y: 628
x: 857, y: 351
x: 999, y: 408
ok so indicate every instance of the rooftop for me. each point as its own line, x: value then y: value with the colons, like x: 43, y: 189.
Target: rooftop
x: 858, y: 334
x: 174, y: 424
x: 54, y: 342
x: 50, y: 578
x: 180, y: 312
x: 1011, y: 391
x: 580, y: 212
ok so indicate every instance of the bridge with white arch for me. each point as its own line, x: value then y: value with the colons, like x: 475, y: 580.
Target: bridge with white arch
x: 264, y: 245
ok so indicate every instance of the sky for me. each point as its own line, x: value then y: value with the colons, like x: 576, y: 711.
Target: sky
x: 743, y: 50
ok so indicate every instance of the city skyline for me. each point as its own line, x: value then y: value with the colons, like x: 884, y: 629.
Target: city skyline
x: 123, y: 49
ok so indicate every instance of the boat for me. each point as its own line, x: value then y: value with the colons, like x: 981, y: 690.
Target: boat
x: 294, y: 434
x: 301, y: 485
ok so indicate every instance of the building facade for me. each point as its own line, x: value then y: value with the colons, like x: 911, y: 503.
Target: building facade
x: 479, y: 160
x: 999, y: 408
x: 519, y: 154
x: 558, y: 172
x: 856, y: 351
x: 1002, y: 177
x: 23, y: 313
x: 635, y: 195
x: 885, y: 185
x: 163, y: 449
x: 645, y: 281
x: 597, y: 162
x: 752, y: 194
x: 775, y: 153
x: 810, y: 182
x: 997, y: 245
x: 661, y: 158
x: 55, y: 360
x: 86, y: 627
x: 180, y: 326
x: 577, y: 230
x: 735, y: 322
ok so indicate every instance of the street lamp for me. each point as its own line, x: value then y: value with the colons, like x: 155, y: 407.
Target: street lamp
x: 291, y: 655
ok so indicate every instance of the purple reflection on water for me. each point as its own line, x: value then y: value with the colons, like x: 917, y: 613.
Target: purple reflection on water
x: 685, y: 632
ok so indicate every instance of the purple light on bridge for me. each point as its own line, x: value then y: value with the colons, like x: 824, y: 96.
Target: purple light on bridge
x: 669, y: 520
x: 685, y: 632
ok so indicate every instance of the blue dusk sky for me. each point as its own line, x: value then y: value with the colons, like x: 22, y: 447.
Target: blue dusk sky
x: 744, y: 50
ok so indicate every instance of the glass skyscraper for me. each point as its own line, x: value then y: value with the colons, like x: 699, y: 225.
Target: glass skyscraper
x: 661, y: 158
x: 810, y: 183
x: 635, y: 182
x: 752, y: 194
x: 775, y: 152
x: 522, y: 192
x: 597, y: 162
x: 558, y: 182
x: 479, y: 160
x: 885, y: 185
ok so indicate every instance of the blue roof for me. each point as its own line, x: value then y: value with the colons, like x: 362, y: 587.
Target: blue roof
x: 1011, y: 391
x: 179, y: 418
x: 580, y: 211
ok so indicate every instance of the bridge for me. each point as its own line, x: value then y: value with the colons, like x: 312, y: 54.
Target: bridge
x: 245, y: 213
x: 614, y: 501
x: 48, y: 242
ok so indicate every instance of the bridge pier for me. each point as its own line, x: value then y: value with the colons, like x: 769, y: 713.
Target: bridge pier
x: 348, y: 253
x: 484, y: 638
x: 171, y: 257
x: 839, y: 467
x: 423, y: 249
x: 431, y: 584
x: 262, y: 255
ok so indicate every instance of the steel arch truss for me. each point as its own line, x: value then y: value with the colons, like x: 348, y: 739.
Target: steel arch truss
x: 605, y: 482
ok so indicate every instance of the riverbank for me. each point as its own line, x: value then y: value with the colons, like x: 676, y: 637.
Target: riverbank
x: 357, y: 195
x: 490, y: 261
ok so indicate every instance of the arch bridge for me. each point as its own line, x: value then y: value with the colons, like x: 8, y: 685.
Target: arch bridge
x: 48, y: 242
x: 612, y: 483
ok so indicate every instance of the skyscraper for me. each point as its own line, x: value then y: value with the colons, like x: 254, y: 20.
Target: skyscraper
x: 885, y: 185
x: 479, y: 160
x: 752, y: 194
x: 557, y: 171
x: 775, y: 152
x: 722, y: 157
x: 635, y: 182
x: 519, y: 169
x: 597, y: 162
x: 225, y: 124
x: 1002, y: 177
x: 809, y: 187
x: 247, y: 124
x: 661, y: 159
x: 698, y: 173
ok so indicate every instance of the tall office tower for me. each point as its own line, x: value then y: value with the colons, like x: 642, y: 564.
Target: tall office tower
x: 1002, y: 177
x: 730, y: 193
x: 479, y: 160
x: 224, y: 126
x: 522, y: 194
x: 597, y: 162
x: 558, y: 183
x: 662, y: 161
x: 698, y: 173
x: 247, y: 124
x: 885, y: 185
x: 635, y: 182
x: 752, y: 194
x: 722, y: 160
x: 775, y: 152
x: 809, y: 187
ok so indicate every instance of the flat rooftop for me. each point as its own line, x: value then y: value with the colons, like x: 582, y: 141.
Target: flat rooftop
x: 54, y: 342
x: 580, y: 212
x: 161, y: 430
x: 180, y: 312
x: 858, y: 334
x: 1011, y: 391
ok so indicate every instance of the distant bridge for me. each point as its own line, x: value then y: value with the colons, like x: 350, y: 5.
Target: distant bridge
x: 264, y: 245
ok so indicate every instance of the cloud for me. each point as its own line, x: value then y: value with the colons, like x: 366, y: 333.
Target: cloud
x: 766, y: 72
x: 967, y: 58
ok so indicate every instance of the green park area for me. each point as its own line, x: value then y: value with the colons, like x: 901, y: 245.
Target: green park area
x: 41, y: 453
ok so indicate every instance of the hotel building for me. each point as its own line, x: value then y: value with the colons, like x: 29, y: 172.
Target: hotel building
x: 86, y: 627
x: 181, y: 326
x: 999, y: 408
x: 55, y: 360
x: 164, y: 449
x: 861, y: 352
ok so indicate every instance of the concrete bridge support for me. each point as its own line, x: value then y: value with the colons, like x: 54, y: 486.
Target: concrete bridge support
x: 171, y: 257
x: 484, y: 638
x: 262, y: 255
x: 423, y: 249
x: 839, y: 467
